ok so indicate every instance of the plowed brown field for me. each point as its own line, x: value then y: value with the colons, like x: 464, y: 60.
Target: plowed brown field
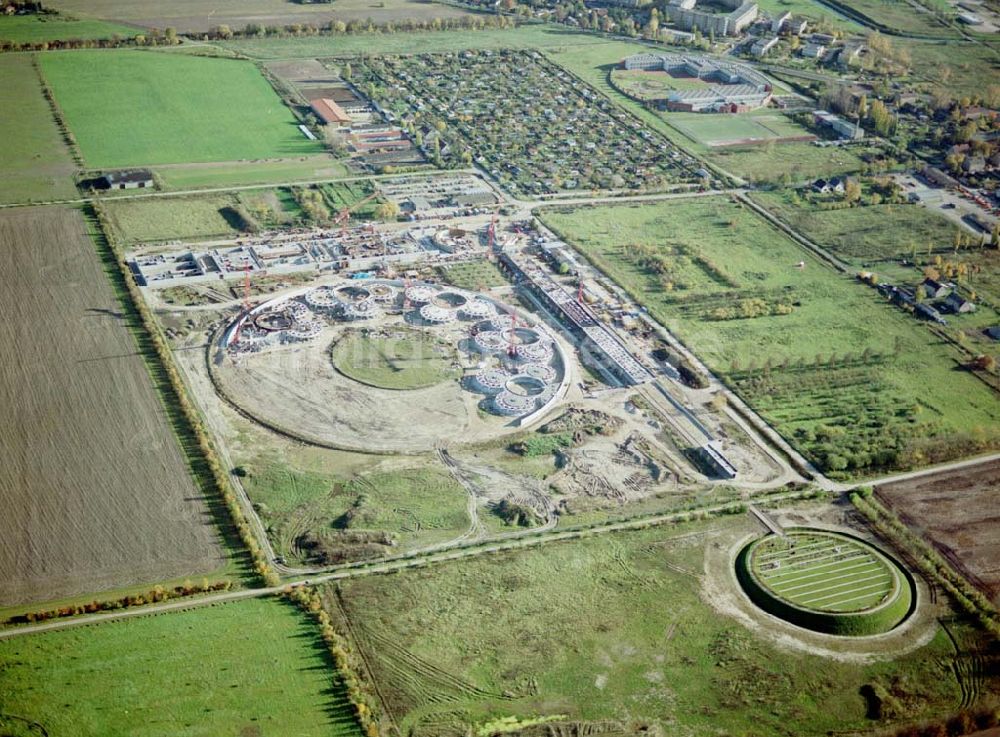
x: 959, y: 512
x: 94, y: 490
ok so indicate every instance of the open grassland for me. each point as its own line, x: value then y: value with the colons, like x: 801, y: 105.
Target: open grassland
x: 256, y: 667
x: 96, y: 491
x: 180, y: 109
x: 315, y: 512
x: 193, y: 15
x: 810, y: 9
x: 902, y: 16
x: 35, y: 163
x: 38, y: 28
x: 170, y: 218
x: 475, y: 275
x: 233, y: 173
x: 863, y: 234
x: 959, y: 68
x: 401, y: 360
x: 856, y: 383
x: 773, y: 162
x: 531, y: 36
x: 613, y: 630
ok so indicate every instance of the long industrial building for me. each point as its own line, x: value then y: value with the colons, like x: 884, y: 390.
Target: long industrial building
x: 582, y: 322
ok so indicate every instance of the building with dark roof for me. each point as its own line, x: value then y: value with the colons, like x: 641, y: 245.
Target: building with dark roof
x: 127, y: 179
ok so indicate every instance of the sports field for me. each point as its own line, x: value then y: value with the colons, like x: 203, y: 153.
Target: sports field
x: 401, y: 359
x: 129, y: 108
x: 35, y: 164
x: 722, y: 129
x: 256, y: 667
x: 831, y: 574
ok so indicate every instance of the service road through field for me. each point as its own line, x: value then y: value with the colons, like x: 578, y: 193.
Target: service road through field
x: 95, y: 491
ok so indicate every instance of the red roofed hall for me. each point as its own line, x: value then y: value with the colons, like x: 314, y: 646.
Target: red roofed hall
x: 329, y: 112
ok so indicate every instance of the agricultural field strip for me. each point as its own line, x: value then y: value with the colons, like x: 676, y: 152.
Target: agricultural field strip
x: 841, y: 602
x: 876, y: 576
x: 853, y: 575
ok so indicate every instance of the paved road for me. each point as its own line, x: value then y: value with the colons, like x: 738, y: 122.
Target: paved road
x: 933, y: 470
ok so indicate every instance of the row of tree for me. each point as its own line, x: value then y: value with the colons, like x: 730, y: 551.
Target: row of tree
x: 201, y: 452
x: 155, y: 594
x: 968, y: 598
x: 350, y: 668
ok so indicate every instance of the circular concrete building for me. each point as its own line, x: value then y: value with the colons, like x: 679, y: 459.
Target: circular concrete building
x: 477, y: 309
x: 436, y: 315
x: 491, y: 380
x: 489, y: 341
x: 304, y: 330
x: 322, y: 299
x: 419, y: 294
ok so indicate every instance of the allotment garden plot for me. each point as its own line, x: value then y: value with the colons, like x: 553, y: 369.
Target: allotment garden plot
x: 531, y: 124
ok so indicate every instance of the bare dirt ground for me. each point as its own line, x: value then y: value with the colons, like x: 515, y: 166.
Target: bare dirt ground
x: 95, y: 491
x: 196, y: 15
x: 296, y: 389
x: 959, y: 512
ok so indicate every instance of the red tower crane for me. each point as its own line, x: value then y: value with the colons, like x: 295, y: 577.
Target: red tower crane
x: 342, y: 217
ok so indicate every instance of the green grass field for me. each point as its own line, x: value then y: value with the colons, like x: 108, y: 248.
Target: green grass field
x: 35, y: 164
x: 38, y: 28
x: 473, y: 275
x: 256, y: 667
x: 719, y: 130
x: 613, y: 627
x: 130, y: 108
x: 231, y: 173
x: 170, y: 218
x: 823, y: 573
x: 901, y: 16
x: 854, y: 382
x: 415, y: 506
x: 404, y: 359
x: 531, y: 36
x: 863, y: 234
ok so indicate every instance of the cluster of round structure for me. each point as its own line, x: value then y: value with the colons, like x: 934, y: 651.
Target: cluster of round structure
x: 420, y: 294
x: 524, y: 380
x: 305, y: 330
x: 519, y: 393
x: 436, y: 315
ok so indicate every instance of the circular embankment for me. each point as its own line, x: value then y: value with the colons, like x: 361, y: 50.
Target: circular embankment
x: 826, y: 581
